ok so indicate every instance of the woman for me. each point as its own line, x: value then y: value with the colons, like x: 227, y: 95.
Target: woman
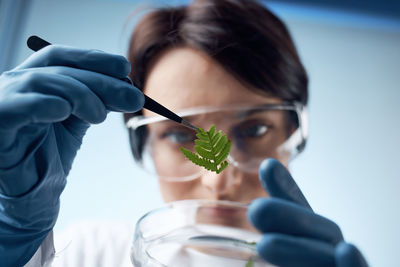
x: 230, y: 63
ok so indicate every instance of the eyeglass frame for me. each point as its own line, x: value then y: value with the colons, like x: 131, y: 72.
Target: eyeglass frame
x: 299, y: 137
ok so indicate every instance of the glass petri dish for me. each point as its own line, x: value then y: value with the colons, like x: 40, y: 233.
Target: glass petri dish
x: 194, y: 233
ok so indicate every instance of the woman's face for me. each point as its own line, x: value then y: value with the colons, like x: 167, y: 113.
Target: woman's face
x: 184, y: 78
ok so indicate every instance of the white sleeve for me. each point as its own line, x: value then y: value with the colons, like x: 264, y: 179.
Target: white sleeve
x: 86, y: 244
x: 44, y: 255
x: 94, y: 244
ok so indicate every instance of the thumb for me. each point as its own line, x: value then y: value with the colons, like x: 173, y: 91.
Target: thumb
x: 347, y: 255
x: 278, y: 182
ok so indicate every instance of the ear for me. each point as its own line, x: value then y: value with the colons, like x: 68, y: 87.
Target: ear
x: 278, y: 182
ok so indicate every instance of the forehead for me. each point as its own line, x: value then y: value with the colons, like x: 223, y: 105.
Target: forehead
x: 185, y: 77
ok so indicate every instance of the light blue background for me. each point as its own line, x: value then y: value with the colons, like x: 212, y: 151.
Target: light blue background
x: 349, y: 171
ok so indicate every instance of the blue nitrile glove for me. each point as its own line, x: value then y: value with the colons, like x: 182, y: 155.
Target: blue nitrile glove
x: 46, y: 105
x: 293, y: 235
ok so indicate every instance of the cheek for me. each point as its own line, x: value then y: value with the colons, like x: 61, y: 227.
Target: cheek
x: 161, y: 163
x: 243, y: 187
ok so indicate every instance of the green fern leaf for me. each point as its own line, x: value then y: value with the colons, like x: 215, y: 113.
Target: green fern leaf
x: 221, y: 143
x: 222, y: 167
x: 198, y: 160
x: 202, y: 137
x: 223, y: 153
x: 203, y: 144
x: 250, y: 263
x: 204, y: 152
x: 216, y: 137
x: 212, y: 130
x: 212, y: 147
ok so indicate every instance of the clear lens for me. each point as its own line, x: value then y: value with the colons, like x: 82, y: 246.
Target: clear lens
x: 256, y: 133
x: 196, y: 233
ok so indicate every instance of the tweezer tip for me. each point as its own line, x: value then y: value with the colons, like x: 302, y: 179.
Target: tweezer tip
x: 189, y: 125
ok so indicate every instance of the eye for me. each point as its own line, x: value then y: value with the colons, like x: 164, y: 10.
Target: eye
x: 178, y: 136
x: 251, y: 130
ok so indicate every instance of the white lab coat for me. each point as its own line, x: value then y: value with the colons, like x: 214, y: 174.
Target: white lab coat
x: 86, y: 244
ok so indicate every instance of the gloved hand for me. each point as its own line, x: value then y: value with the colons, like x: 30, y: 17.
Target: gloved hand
x: 46, y: 105
x: 293, y: 235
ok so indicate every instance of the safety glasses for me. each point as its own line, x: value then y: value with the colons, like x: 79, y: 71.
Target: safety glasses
x: 257, y: 132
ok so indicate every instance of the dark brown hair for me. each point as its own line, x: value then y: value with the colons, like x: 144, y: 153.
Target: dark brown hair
x: 243, y: 36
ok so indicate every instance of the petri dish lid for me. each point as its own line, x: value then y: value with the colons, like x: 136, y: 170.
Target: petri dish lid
x: 196, y: 233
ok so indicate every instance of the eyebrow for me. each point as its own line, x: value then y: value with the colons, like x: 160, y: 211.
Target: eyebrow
x: 256, y: 109
x: 241, y: 113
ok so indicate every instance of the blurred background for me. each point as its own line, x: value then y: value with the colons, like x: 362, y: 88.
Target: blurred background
x: 349, y: 170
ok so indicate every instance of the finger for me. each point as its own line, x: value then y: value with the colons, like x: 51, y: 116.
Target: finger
x: 278, y: 182
x: 85, y: 104
x: 93, y: 60
x: 281, y: 216
x: 347, y: 255
x: 74, y: 126
x: 288, y: 251
x: 115, y: 94
x: 23, y: 109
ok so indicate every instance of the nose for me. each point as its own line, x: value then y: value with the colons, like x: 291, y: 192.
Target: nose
x: 222, y: 186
